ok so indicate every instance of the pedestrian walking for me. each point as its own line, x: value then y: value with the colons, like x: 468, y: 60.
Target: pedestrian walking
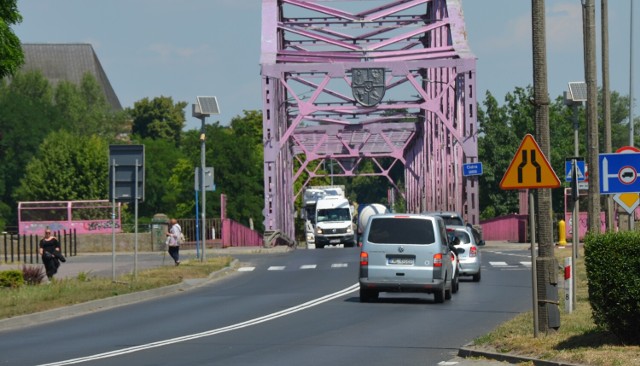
x: 50, y: 253
x: 174, y: 236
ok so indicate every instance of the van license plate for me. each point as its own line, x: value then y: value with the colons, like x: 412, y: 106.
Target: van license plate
x: 334, y: 241
x: 401, y: 261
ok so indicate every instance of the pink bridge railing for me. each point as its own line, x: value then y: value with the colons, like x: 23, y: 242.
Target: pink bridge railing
x: 235, y: 234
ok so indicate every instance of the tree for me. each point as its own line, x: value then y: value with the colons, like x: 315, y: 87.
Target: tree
x: 67, y: 167
x: 158, y: 118
x: 11, y: 55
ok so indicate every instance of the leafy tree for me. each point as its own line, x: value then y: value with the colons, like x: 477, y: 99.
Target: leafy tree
x: 158, y: 118
x: 496, y: 145
x: 11, y: 55
x: 67, y: 167
x: 84, y: 109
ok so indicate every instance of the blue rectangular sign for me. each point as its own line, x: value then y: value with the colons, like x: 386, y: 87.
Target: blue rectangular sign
x: 471, y: 169
x: 567, y: 170
x: 619, y: 173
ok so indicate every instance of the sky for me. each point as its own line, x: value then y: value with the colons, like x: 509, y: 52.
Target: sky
x: 188, y: 48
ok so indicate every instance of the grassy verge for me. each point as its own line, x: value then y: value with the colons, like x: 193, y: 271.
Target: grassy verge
x: 85, y: 287
x: 578, y: 340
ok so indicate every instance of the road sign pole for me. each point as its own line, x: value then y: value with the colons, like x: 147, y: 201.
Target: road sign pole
x: 534, y: 270
x: 576, y: 233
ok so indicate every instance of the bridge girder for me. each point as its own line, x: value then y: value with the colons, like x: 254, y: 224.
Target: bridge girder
x: 425, y: 121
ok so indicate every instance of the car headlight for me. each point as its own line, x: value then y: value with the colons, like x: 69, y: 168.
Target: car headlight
x: 349, y: 230
x: 318, y: 230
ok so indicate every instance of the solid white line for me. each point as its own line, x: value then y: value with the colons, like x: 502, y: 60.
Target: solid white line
x: 262, y: 319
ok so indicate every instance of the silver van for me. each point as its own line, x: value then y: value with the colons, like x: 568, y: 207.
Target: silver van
x: 405, y: 253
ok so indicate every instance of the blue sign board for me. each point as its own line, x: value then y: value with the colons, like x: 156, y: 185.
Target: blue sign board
x: 619, y: 173
x: 567, y: 170
x: 471, y: 169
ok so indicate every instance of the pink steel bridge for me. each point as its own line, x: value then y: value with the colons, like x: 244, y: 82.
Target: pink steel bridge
x: 378, y: 80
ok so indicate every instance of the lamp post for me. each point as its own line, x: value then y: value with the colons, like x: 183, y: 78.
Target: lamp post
x: 204, y: 107
x: 574, y: 98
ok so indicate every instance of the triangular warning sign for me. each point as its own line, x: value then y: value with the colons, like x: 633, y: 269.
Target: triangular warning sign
x: 529, y: 168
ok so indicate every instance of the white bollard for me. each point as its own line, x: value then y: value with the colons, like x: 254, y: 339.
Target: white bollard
x: 568, y: 286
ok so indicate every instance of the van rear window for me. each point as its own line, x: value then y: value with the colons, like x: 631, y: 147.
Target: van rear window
x: 401, y: 231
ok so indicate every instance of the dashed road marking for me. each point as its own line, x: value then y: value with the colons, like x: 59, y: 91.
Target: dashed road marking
x: 246, y: 269
x: 339, y: 265
x: 276, y: 268
x: 308, y: 266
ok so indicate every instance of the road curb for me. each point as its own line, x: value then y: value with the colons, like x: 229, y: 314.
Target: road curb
x: 469, y: 351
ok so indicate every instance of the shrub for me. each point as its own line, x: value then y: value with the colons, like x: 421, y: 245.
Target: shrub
x: 613, y: 273
x: 11, y: 278
x: 33, y: 275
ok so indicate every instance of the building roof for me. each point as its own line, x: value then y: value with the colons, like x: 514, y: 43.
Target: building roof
x: 69, y: 61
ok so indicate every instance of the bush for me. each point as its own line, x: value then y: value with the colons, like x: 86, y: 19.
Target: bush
x: 613, y: 273
x: 11, y: 278
x: 33, y: 275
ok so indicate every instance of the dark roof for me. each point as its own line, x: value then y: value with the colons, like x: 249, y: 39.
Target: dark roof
x: 69, y: 62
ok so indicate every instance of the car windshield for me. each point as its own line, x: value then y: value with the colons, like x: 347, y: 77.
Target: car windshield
x: 452, y: 221
x: 462, y: 235
x: 401, y: 231
x: 334, y: 214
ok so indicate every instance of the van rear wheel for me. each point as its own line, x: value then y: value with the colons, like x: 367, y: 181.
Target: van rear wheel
x: 439, y: 296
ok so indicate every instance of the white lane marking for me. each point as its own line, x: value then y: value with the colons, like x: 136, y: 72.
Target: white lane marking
x: 498, y: 264
x: 448, y: 363
x: 339, y: 265
x: 246, y: 269
x: 526, y: 264
x: 275, y: 268
x: 248, y: 323
x: 308, y: 266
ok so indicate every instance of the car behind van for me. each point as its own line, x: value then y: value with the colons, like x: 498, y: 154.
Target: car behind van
x: 405, y: 253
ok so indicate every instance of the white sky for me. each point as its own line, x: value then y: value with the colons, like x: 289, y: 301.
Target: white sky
x: 187, y: 48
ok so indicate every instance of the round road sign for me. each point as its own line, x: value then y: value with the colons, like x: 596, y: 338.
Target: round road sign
x: 627, y: 175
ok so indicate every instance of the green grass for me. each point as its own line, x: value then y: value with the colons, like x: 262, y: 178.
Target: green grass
x: 578, y: 340
x: 86, y: 287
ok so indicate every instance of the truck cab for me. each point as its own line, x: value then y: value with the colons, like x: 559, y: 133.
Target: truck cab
x: 333, y: 222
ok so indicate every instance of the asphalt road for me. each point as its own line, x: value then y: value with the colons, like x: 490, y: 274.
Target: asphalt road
x: 284, y: 308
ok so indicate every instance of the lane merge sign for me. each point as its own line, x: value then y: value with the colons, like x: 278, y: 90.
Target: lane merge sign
x: 529, y: 168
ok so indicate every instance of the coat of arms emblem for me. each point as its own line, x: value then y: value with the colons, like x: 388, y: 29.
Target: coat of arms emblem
x: 367, y: 86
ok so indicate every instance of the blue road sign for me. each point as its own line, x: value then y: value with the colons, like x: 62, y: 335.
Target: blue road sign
x: 619, y: 173
x: 567, y: 170
x: 471, y: 169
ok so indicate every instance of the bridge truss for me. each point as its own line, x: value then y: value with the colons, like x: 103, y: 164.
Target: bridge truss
x: 425, y: 118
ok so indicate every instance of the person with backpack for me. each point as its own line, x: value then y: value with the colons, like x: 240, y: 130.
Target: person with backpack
x: 174, y: 236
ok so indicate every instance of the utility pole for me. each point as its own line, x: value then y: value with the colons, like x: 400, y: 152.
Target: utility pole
x: 593, y: 145
x: 606, y: 100
x: 547, y: 291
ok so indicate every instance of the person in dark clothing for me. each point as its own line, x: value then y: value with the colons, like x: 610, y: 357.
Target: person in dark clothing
x: 50, y: 253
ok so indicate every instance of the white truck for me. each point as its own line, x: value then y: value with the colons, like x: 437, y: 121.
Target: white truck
x: 328, y: 217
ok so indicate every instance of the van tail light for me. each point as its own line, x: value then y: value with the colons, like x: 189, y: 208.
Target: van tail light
x: 473, y: 252
x: 437, y: 260
x: 364, y: 259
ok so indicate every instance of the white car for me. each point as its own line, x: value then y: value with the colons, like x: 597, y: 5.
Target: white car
x: 471, y: 259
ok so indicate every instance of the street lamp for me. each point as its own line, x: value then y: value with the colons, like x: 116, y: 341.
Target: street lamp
x: 204, y: 107
x: 574, y: 98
